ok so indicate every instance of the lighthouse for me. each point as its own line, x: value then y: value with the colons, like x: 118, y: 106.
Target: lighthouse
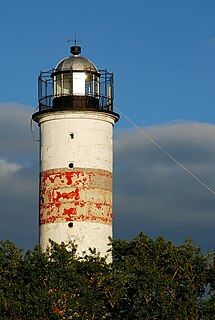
x: 76, y: 120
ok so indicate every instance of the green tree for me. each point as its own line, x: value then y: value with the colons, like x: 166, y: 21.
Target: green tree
x: 147, y: 280
x: 163, y: 281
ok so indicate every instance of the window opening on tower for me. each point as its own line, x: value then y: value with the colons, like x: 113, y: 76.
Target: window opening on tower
x: 72, y: 135
x: 70, y: 224
x: 71, y: 165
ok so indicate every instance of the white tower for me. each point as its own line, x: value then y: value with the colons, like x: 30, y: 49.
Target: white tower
x: 76, y: 122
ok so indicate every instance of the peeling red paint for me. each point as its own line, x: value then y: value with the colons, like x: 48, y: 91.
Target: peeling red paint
x: 69, y: 178
x: 69, y: 212
x: 70, y: 195
x: 76, y: 196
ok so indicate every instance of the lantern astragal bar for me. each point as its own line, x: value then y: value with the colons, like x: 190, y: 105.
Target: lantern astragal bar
x: 76, y: 120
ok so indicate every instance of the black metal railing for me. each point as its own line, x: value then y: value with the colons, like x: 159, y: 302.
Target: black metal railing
x: 50, y: 100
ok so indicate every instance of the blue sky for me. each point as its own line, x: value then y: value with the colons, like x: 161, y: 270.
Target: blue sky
x: 162, y: 53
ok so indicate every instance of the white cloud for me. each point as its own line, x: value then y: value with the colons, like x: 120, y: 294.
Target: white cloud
x: 8, y: 168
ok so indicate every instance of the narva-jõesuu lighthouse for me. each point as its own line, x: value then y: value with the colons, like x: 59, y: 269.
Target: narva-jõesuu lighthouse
x: 76, y: 120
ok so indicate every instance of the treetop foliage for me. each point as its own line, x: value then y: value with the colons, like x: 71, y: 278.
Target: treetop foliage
x: 148, y: 279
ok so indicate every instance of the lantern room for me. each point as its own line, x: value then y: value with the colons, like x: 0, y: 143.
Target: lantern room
x: 76, y: 75
x: 76, y: 83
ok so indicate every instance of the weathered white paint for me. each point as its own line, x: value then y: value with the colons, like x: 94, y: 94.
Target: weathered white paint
x: 85, y: 234
x: 91, y: 146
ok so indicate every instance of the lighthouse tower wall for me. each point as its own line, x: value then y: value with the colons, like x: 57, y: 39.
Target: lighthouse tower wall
x: 76, y: 178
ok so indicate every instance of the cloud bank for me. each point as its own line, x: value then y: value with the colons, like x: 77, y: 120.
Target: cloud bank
x: 151, y: 193
x: 154, y: 195
x: 18, y: 176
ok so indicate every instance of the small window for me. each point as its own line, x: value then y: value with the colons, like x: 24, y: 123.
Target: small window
x: 71, y: 135
x: 71, y: 166
x: 70, y: 224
